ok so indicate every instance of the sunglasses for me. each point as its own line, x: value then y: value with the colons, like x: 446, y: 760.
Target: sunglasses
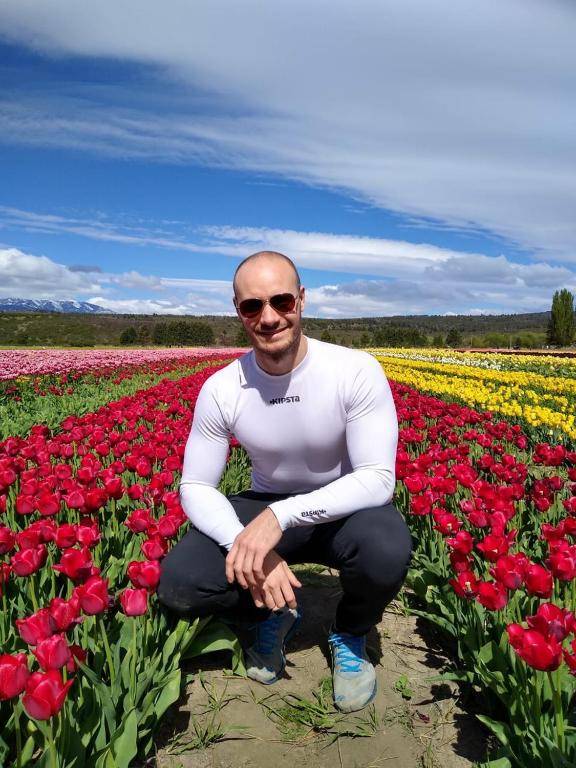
x: 282, y: 302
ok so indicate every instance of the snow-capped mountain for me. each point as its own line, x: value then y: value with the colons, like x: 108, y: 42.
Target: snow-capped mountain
x: 46, y: 305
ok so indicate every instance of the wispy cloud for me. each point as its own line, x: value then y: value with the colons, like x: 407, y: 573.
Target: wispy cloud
x: 455, y: 114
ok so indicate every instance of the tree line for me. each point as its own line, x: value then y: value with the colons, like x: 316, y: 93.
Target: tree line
x: 177, y: 333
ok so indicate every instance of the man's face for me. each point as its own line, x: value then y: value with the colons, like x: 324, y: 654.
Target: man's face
x: 271, y: 333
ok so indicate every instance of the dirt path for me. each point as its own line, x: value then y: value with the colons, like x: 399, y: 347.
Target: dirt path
x: 414, y: 722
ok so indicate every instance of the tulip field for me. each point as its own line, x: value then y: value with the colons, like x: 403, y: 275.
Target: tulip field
x: 90, y: 455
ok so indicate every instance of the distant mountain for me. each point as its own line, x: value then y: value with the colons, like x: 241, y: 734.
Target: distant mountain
x: 46, y: 305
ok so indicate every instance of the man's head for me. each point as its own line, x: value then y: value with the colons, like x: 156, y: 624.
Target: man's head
x: 264, y: 275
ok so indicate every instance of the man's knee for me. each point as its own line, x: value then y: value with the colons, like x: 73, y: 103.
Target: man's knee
x: 191, y: 591
x: 383, y: 555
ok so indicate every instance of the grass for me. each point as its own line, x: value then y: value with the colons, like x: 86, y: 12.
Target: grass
x: 299, y: 719
x: 206, y: 725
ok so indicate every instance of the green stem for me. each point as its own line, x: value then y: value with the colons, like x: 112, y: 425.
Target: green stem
x: 47, y: 731
x: 32, y: 594
x: 134, y: 651
x: 107, y: 650
x: 555, y: 684
x: 18, y: 733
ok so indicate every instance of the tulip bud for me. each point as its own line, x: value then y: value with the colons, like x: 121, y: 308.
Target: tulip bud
x: 13, y: 675
x: 134, y: 601
x: 45, y: 694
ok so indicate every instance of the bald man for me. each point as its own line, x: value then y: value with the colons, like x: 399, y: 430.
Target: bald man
x: 319, y: 425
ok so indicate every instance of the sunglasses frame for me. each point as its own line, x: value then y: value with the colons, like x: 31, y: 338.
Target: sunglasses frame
x: 251, y: 316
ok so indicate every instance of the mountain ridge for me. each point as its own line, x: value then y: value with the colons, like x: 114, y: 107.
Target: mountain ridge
x: 49, y: 305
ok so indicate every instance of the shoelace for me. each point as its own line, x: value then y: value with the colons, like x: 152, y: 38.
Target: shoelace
x: 267, y: 633
x: 348, y: 651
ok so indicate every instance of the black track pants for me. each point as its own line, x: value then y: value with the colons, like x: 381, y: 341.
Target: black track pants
x: 371, y: 548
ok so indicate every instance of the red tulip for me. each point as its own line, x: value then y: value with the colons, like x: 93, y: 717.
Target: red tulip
x: 29, y: 538
x: 25, y: 505
x: 75, y: 563
x: 537, y: 651
x: 75, y: 500
x: 492, y: 595
x: 562, y: 563
x: 465, y: 584
x: 45, y: 694
x: 493, y: 547
x: 154, y: 548
x: 64, y: 613
x: 93, y: 595
x: 169, y: 525
x: 36, y: 627
x: 538, y: 581
x: 53, y: 652
x: 65, y: 536
x: 95, y: 499
x: 462, y: 542
x: 509, y: 570
x: 114, y: 487
x: 88, y: 535
x: 48, y: 504
x: 134, y: 601
x: 28, y: 561
x: 7, y: 540
x: 139, y: 520
x: 13, y: 675
x: 77, y: 654
x: 552, y: 621
x: 144, y: 574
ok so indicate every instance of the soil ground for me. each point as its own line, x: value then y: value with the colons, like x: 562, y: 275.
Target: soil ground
x: 415, y: 722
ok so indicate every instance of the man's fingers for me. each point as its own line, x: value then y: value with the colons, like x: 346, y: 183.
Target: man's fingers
x: 288, y: 594
x: 292, y: 578
x: 258, y: 566
x: 258, y: 597
x: 230, y: 563
x: 269, y: 601
x: 247, y: 569
x: 239, y: 570
x: 278, y: 596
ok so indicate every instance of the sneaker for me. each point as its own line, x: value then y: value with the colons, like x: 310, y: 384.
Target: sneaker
x: 265, y: 659
x: 353, y: 675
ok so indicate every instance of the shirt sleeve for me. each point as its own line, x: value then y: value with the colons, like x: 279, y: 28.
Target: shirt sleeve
x: 372, y: 439
x: 204, y: 461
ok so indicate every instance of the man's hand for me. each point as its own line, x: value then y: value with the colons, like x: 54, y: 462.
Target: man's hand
x: 245, y: 560
x: 277, y: 589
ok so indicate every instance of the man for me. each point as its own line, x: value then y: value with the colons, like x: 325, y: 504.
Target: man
x: 319, y: 424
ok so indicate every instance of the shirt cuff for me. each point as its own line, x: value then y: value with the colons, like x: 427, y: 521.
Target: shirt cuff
x: 283, y: 512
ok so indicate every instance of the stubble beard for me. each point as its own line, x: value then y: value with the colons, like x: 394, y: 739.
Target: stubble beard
x: 279, y: 354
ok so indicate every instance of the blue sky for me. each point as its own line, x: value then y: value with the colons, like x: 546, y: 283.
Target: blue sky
x: 411, y: 158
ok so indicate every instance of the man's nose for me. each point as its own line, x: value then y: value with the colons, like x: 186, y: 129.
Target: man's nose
x: 269, y: 316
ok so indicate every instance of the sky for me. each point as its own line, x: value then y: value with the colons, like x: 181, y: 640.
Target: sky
x: 414, y: 157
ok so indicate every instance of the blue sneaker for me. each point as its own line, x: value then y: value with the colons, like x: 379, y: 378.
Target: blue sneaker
x: 353, y: 675
x: 265, y: 658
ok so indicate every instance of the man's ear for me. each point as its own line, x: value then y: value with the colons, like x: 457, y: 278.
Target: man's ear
x: 302, y: 297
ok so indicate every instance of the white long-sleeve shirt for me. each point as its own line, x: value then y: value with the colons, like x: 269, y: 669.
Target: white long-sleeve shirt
x: 326, y: 433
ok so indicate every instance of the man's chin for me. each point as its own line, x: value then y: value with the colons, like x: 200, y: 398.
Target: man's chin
x: 276, y: 345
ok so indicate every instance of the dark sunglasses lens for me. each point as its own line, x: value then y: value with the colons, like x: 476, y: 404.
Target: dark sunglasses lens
x: 250, y: 307
x: 283, y: 302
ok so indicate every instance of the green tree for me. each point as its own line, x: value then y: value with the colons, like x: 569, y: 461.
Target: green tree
x: 328, y: 336
x: 497, y: 340
x: 160, y: 333
x: 438, y: 340
x: 454, y: 338
x: 241, y: 339
x: 365, y: 340
x: 561, y: 327
x: 129, y: 335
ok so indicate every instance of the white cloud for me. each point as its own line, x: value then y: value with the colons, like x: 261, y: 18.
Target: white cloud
x: 23, y: 275
x: 401, y: 279
x: 456, y: 111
